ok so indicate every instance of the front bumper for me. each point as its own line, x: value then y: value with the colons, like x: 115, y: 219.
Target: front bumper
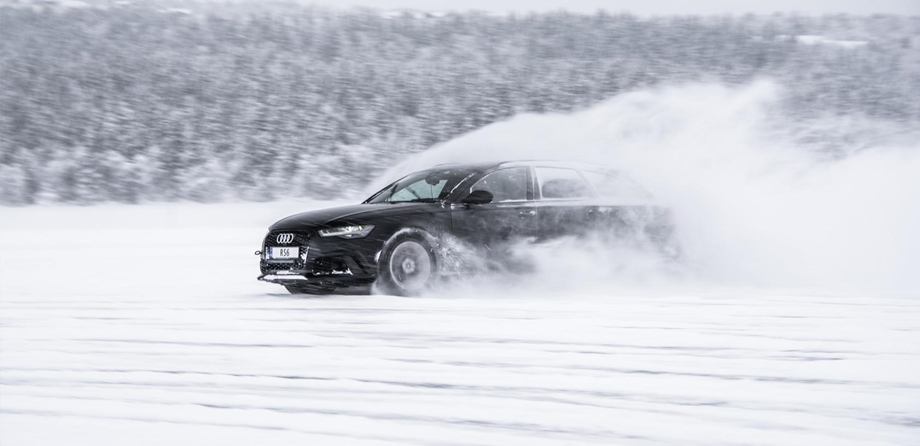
x: 284, y: 278
x: 327, y: 261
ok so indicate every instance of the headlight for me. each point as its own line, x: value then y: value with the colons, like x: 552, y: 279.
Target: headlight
x: 356, y: 231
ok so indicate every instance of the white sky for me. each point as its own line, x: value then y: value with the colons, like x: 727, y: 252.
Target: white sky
x: 909, y: 7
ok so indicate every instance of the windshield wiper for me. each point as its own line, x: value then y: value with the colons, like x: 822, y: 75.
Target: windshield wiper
x: 416, y: 200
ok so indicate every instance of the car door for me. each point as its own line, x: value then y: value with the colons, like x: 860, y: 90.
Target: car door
x: 563, y: 202
x: 626, y: 209
x: 510, y: 215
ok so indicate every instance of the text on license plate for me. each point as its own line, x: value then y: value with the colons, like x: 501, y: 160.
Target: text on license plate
x: 283, y: 252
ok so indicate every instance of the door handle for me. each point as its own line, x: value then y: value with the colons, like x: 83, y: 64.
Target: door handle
x: 527, y: 213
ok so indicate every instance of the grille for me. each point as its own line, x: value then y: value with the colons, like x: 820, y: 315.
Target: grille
x: 301, y: 240
x: 328, y: 266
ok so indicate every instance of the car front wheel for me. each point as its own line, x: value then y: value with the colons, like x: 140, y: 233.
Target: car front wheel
x: 407, y: 267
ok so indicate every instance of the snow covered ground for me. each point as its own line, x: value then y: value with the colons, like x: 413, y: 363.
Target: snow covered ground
x: 145, y: 325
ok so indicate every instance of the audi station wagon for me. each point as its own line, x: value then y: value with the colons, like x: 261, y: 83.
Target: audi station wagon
x: 398, y: 238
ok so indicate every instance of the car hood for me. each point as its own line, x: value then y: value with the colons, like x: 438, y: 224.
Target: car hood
x: 346, y: 215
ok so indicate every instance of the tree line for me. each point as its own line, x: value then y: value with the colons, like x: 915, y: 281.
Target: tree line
x: 139, y: 103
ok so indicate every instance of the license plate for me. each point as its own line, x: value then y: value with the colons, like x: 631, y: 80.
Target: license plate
x: 283, y: 252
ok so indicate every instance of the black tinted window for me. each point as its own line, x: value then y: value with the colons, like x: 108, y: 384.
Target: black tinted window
x: 505, y: 185
x: 561, y: 183
x: 615, y: 184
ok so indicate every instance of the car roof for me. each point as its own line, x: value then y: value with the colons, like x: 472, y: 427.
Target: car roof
x: 535, y: 163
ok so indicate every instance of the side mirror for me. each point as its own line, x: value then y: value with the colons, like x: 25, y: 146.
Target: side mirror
x: 478, y: 197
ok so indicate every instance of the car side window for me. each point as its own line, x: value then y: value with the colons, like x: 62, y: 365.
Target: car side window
x: 557, y: 183
x: 615, y: 185
x: 504, y: 185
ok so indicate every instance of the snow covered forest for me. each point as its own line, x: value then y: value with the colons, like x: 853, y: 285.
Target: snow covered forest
x: 144, y: 102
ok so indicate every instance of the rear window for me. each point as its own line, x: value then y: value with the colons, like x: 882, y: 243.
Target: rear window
x: 615, y: 185
x: 555, y: 183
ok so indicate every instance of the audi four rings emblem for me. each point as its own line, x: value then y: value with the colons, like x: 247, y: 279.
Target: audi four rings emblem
x: 285, y: 238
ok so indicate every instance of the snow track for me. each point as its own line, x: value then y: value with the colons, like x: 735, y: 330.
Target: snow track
x: 145, y: 326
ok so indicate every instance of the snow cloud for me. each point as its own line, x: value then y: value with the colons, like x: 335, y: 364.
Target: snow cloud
x: 760, y: 199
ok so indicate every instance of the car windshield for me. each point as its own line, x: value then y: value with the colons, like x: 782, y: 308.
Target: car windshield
x: 429, y: 186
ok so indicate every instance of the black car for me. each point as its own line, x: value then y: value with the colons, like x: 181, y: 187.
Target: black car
x: 400, y: 237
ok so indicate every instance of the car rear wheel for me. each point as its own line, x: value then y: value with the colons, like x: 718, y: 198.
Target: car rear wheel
x: 407, y: 267
x: 309, y: 289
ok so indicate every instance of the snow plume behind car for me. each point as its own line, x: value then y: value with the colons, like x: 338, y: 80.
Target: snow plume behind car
x: 759, y: 199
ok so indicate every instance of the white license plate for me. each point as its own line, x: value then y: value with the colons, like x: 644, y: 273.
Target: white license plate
x: 283, y: 252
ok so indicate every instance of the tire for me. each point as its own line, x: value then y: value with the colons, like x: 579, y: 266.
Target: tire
x: 407, y: 267
x: 309, y: 289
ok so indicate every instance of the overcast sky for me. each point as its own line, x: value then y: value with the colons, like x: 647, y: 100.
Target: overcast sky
x: 911, y: 7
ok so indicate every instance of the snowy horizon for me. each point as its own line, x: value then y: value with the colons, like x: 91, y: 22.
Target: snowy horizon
x: 734, y: 260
